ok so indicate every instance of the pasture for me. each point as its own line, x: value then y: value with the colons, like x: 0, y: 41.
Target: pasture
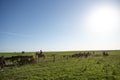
x: 90, y: 68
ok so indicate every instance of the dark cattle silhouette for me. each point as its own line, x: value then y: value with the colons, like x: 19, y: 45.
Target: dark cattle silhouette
x: 105, y: 53
x: 83, y: 54
x: 2, y: 62
x: 25, y: 60
x: 19, y: 60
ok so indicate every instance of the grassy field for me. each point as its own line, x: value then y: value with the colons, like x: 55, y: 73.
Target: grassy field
x: 91, y: 68
x: 33, y: 53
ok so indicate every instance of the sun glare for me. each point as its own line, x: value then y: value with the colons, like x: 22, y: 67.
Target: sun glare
x: 103, y: 20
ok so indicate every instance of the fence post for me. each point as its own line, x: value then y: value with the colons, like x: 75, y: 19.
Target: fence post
x: 67, y: 57
x: 53, y: 58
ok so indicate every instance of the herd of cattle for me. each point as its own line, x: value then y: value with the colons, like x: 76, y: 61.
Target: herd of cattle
x: 21, y: 60
x: 87, y: 54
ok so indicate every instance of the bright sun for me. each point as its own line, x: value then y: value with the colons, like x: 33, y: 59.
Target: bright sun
x: 103, y: 20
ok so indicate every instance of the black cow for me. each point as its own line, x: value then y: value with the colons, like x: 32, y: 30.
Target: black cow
x: 2, y: 62
x: 105, y: 53
x: 20, y: 60
x: 84, y: 54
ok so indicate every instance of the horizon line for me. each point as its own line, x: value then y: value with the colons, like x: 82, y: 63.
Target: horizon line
x: 62, y: 50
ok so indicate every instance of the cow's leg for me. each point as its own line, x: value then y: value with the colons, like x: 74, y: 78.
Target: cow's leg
x: 2, y: 66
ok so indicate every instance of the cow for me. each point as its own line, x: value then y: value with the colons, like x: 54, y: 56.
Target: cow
x: 25, y: 60
x: 83, y: 54
x: 2, y: 62
x: 19, y: 60
x: 105, y: 53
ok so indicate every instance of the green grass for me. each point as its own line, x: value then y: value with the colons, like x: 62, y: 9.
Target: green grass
x: 16, y: 54
x: 33, y: 53
x: 91, y: 68
x: 116, y: 52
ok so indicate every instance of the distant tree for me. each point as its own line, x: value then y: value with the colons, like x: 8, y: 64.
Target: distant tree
x: 23, y: 52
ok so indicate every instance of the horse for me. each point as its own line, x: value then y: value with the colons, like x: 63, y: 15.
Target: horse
x: 40, y: 55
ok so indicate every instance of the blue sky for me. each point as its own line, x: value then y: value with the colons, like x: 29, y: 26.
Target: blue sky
x: 55, y: 25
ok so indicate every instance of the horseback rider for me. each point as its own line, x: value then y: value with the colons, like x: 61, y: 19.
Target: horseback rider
x: 41, y: 52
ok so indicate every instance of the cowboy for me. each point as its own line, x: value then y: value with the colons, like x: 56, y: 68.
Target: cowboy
x: 41, y: 52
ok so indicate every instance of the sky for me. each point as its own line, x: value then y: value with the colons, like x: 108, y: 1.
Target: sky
x: 58, y: 25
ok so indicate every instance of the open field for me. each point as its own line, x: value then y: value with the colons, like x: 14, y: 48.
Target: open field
x: 91, y: 68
